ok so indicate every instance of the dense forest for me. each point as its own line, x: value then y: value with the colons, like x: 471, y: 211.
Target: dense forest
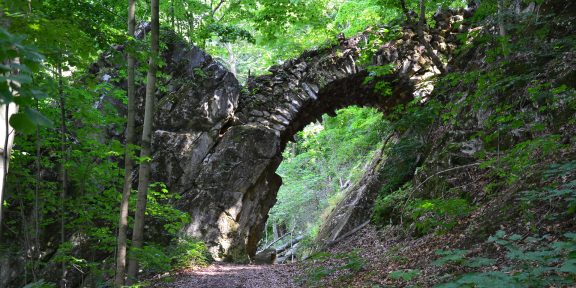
x: 351, y: 143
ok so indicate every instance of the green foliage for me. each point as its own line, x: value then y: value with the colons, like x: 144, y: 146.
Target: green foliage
x: 348, y: 263
x: 227, y: 33
x: 535, y: 262
x: 458, y: 257
x: 412, y: 122
x: 152, y: 258
x: 388, y: 208
x: 40, y: 284
x: 356, y: 16
x: 184, y: 252
x: 562, y: 190
x: 381, y: 87
x: 173, y: 219
x: 522, y: 157
x: 406, y: 274
x: 18, y: 63
x: 189, y: 252
x: 352, y: 260
x: 90, y: 208
x: 315, y: 172
x: 441, y: 214
x: 310, y: 24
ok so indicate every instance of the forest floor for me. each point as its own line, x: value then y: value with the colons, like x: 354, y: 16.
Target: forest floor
x: 370, y: 257
x: 357, y: 261
x: 225, y: 275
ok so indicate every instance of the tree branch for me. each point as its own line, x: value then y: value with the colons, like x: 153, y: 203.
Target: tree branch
x: 429, y: 50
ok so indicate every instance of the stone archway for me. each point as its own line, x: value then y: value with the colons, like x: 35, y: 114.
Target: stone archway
x: 218, y: 144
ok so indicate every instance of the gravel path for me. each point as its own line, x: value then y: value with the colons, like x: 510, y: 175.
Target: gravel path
x: 222, y: 275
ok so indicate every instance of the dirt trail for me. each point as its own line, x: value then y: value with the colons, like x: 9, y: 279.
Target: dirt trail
x: 222, y: 275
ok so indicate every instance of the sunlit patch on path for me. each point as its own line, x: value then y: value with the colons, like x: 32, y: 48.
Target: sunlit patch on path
x: 234, y: 276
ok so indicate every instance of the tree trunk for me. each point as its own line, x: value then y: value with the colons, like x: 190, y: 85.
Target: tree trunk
x: 172, y: 18
x: 128, y: 161
x: 37, y: 209
x: 501, y: 26
x: 145, y: 153
x: 231, y: 59
x: 190, y: 17
x: 272, y: 243
x: 7, y: 139
x: 291, y: 243
x: 429, y: 50
x: 275, y: 231
x: 63, y: 171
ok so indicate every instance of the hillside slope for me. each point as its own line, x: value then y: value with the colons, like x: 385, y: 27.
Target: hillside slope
x: 490, y: 200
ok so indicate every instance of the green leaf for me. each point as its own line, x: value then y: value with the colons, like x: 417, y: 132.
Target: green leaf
x: 20, y: 78
x: 515, y: 237
x: 570, y: 235
x: 37, y: 118
x: 22, y: 123
x: 477, y: 262
x: 569, y: 266
x: 405, y: 275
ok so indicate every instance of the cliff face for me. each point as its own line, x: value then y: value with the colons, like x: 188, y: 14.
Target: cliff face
x: 218, y: 144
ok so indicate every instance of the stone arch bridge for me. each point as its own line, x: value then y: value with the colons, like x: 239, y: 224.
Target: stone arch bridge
x: 218, y: 144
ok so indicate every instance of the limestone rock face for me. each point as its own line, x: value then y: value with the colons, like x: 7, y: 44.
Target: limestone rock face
x: 200, y: 100
x: 232, y: 187
x: 218, y: 145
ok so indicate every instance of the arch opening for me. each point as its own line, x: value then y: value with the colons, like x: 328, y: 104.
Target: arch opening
x: 325, y: 160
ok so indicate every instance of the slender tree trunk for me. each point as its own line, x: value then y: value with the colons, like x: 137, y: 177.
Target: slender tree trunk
x: 172, y: 17
x: 275, y: 231
x: 37, y: 200
x: 429, y: 50
x: 190, y: 17
x: 128, y: 161
x: 64, y: 171
x: 231, y: 59
x: 501, y: 25
x: 145, y: 152
x: 26, y: 233
x: 6, y: 140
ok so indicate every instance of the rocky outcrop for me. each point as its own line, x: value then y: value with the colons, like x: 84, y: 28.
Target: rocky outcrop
x: 218, y: 144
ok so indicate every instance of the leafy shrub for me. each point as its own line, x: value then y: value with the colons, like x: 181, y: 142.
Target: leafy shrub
x: 441, y: 214
x: 184, y: 252
x: 388, y: 207
x: 40, y: 284
x: 557, y: 193
x: 159, y: 208
x: 406, y: 275
x: 458, y: 257
x: 188, y: 252
x: 152, y: 258
x: 522, y: 157
x: 351, y: 262
x: 535, y: 262
x: 412, y: 122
